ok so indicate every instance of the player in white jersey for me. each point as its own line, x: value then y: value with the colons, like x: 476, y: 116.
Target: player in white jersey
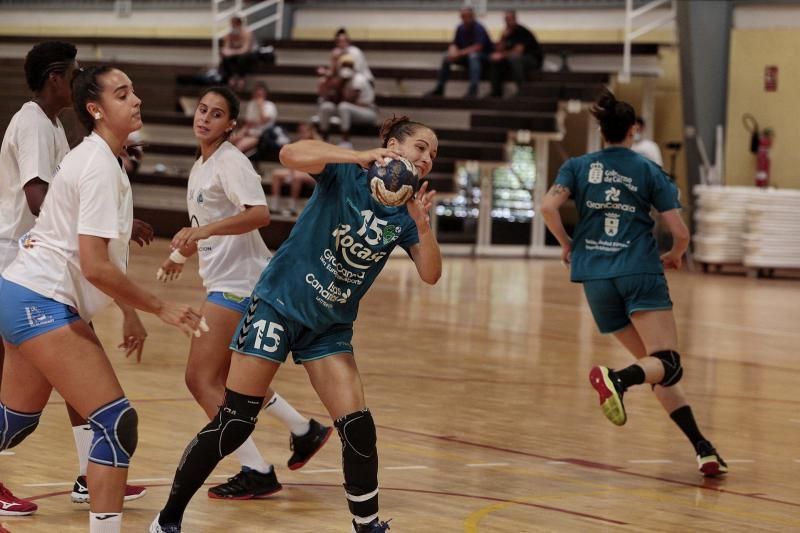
x: 227, y: 206
x: 71, y: 264
x: 33, y: 145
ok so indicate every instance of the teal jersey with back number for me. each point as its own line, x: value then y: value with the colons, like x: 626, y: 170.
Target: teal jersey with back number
x: 335, y: 251
x: 614, y: 190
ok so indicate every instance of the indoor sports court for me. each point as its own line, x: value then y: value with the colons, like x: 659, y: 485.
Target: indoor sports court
x: 479, y: 383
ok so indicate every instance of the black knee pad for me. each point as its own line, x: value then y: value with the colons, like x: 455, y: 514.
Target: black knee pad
x: 236, y: 420
x: 673, y: 371
x: 359, y: 462
x: 357, y: 431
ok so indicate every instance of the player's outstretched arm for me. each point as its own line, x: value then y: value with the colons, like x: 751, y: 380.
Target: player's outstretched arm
x: 311, y: 155
x: 253, y: 217
x: 426, y: 253
x: 103, y: 274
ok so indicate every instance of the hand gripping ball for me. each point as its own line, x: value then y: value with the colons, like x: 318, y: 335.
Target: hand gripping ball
x: 394, y: 183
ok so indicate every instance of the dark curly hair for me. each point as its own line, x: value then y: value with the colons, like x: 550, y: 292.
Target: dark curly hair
x: 615, y: 116
x: 45, y: 58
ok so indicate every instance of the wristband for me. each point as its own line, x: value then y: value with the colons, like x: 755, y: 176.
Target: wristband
x: 177, y: 257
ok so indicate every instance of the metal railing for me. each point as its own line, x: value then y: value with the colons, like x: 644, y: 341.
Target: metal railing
x: 632, y: 33
x: 253, y: 15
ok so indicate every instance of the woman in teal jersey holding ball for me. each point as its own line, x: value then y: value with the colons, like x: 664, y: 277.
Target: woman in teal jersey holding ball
x: 306, y: 302
x: 614, y: 255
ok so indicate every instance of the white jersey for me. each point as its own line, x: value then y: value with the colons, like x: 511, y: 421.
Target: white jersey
x: 90, y: 195
x: 648, y: 149
x: 220, y: 188
x: 32, y: 148
x: 359, y: 62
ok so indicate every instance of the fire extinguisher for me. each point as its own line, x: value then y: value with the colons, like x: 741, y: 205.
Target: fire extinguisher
x: 762, y: 158
x: 760, y: 143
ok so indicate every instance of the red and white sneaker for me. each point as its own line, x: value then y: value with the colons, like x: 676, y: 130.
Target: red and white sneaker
x: 80, y: 491
x: 10, y: 505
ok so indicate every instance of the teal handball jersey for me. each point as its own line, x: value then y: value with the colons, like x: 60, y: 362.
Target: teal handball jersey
x: 337, y: 248
x: 614, y: 190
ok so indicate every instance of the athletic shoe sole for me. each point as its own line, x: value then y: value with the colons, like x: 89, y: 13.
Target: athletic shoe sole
x: 17, y: 513
x: 610, y: 400
x: 261, y: 496
x: 84, y: 498
x: 711, y: 467
x: 298, y: 466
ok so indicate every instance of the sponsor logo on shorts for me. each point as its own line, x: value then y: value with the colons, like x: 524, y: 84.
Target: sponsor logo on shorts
x: 36, y: 317
x: 328, y: 295
x: 233, y: 298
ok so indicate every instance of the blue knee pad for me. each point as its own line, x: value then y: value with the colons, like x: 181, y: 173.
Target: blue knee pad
x: 115, y: 434
x: 15, y: 426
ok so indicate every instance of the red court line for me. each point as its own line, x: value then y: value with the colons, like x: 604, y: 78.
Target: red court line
x: 593, y: 465
x: 400, y: 489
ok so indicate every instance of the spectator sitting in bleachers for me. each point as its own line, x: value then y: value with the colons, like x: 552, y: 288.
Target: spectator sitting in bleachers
x: 294, y: 178
x: 343, y: 46
x: 471, y: 47
x: 350, y: 97
x: 259, y: 129
x: 518, y: 51
x: 237, y: 54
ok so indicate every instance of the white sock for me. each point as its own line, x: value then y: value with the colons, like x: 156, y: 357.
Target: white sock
x: 83, y: 442
x: 105, y: 522
x: 250, y: 457
x: 280, y: 409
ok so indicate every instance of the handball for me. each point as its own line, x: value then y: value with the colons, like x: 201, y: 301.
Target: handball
x: 394, y: 183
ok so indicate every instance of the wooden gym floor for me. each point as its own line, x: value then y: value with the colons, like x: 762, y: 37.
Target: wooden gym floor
x: 486, y: 419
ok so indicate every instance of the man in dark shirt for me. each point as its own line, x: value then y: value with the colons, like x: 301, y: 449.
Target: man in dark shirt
x: 471, y: 47
x: 518, y: 52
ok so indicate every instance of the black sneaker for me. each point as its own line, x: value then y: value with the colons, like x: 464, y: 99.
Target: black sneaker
x: 708, y: 460
x: 247, y: 485
x: 376, y: 526
x: 305, y: 446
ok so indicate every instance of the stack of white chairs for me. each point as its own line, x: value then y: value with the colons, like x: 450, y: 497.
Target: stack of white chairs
x: 750, y: 226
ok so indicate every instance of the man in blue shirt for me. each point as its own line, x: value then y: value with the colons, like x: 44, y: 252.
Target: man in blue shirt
x: 470, y: 48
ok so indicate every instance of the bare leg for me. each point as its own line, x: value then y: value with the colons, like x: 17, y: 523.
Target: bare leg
x: 85, y: 380
x: 671, y: 398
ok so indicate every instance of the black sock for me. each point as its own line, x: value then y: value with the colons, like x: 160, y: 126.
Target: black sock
x: 627, y: 377
x: 685, y: 419
x: 234, y: 422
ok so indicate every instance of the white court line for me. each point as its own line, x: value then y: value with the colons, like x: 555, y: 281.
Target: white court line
x: 69, y: 484
x: 557, y: 462
x: 6, y: 452
x: 739, y: 461
x: 321, y: 471
x: 486, y: 464
x: 409, y: 467
x: 649, y: 461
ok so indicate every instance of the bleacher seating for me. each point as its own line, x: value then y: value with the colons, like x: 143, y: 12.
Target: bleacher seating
x: 468, y: 128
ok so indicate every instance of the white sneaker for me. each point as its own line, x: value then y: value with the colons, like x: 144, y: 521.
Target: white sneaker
x: 155, y: 527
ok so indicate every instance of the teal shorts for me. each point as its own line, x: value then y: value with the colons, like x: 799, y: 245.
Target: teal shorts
x: 613, y: 301
x: 264, y: 332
